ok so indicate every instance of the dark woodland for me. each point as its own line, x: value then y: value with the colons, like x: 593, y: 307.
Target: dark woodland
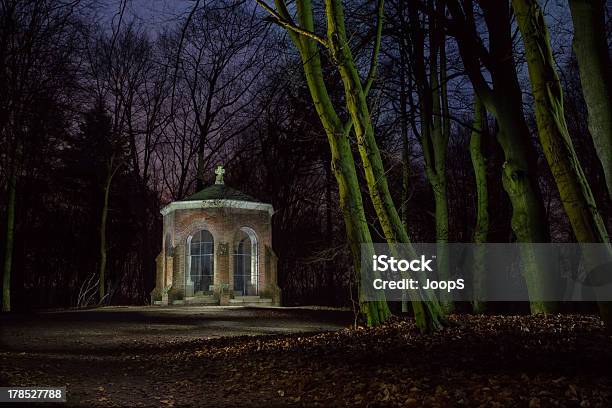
x: 81, y: 101
x: 426, y: 121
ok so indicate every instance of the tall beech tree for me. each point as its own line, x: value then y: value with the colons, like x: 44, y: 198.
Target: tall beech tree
x: 503, y: 98
x: 428, y: 314
x: 404, y: 82
x: 591, y: 48
x: 405, y: 112
x: 435, y: 124
x: 481, y: 229
x: 343, y: 164
x: 574, y: 189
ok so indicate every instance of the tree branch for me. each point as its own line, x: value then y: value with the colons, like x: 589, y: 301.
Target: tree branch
x: 290, y: 25
x: 467, y: 43
x: 374, y: 60
x: 376, y: 50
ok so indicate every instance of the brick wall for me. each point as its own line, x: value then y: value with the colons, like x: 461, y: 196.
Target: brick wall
x: 224, y: 224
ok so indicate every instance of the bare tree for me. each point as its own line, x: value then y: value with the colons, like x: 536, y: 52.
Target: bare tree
x: 37, y: 52
x: 221, y: 54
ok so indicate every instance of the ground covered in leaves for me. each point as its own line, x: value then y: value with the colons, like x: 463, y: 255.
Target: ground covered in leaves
x: 489, y: 361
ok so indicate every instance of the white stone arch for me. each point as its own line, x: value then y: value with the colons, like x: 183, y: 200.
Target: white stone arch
x: 196, y: 226
x: 254, y: 257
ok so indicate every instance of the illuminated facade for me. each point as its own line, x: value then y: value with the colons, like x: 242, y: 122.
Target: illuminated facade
x: 217, y: 250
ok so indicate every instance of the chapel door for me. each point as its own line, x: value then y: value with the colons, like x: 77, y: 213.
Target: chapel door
x: 246, y: 277
x: 202, y: 262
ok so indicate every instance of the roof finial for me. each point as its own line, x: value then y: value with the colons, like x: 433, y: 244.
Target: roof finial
x: 219, y: 172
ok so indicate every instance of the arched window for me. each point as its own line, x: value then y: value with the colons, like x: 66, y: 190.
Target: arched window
x: 201, y: 262
x: 246, y: 271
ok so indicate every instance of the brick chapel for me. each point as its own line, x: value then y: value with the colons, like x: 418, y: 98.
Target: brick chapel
x: 217, y: 250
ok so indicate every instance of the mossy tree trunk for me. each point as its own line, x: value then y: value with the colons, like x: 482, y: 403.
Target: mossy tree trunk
x: 574, y: 190
x: 591, y: 48
x: 573, y: 187
x: 481, y: 229
x: 342, y: 162
x: 429, y: 312
x: 435, y: 127
x: 439, y: 145
x: 504, y: 101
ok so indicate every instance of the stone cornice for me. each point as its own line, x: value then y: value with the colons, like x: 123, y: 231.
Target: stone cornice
x: 196, y: 204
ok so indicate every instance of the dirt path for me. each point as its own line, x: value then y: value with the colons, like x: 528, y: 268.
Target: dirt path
x: 488, y: 361
x: 116, y: 328
x: 118, y: 351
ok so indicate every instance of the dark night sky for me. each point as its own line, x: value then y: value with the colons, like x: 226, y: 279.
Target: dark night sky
x: 156, y: 14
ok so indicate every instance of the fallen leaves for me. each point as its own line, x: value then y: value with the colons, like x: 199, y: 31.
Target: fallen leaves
x: 489, y: 361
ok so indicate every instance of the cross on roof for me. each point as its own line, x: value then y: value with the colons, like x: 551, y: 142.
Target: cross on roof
x: 219, y: 172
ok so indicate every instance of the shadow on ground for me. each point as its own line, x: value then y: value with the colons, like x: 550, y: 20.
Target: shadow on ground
x: 227, y: 357
x: 120, y: 328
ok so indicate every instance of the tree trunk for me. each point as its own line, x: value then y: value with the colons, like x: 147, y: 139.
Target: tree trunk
x: 103, y: 218
x: 405, y: 150
x: 573, y: 187
x: 519, y: 173
x: 428, y: 313
x: 575, y: 192
x: 356, y: 103
x: 440, y: 136
x: 403, y: 97
x: 10, y: 239
x: 591, y: 48
x: 329, y: 230
x: 358, y: 232
x: 434, y: 151
x: 343, y: 165
x: 433, y: 137
x: 481, y: 230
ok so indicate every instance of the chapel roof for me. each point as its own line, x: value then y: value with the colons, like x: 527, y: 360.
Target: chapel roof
x: 218, y: 195
x: 220, y: 192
